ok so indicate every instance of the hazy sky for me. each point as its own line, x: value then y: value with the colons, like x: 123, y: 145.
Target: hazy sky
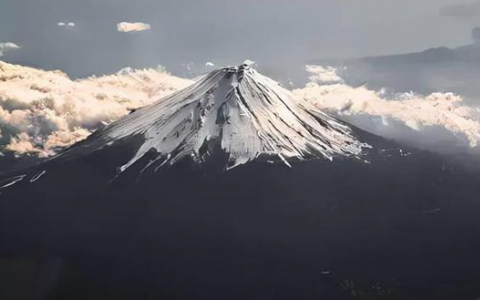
x: 224, y: 31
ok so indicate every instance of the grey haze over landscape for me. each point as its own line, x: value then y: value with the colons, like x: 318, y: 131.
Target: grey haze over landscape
x: 81, y: 37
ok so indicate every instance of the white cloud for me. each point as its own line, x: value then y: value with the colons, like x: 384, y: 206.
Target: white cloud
x: 8, y: 47
x: 41, y: 111
x: 323, y: 75
x: 132, y: 27
x: 420, y: 120
x: 66, y: 25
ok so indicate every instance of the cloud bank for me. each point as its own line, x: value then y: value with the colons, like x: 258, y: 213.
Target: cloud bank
x: 42, y: 111
x: 8, y: 47
x: 425, y: 121
x: 132, y: 27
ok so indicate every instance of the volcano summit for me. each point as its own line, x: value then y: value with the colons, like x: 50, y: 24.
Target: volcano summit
x: 235, y: 110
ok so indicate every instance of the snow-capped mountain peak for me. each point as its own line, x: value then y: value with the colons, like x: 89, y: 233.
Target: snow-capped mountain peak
x: 235, y: 109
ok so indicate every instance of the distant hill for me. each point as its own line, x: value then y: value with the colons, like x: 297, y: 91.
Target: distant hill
x: 433, y: 70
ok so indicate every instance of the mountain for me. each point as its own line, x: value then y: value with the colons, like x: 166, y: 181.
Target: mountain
x: 233, y: 188
x: 236, y: 110
x: 433, y: 70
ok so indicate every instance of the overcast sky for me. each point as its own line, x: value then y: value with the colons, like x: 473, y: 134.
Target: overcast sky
x: 224, y: 31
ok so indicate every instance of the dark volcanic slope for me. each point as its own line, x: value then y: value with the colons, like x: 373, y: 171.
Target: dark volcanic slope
x: 384, y: 222
x: 408, y: 221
